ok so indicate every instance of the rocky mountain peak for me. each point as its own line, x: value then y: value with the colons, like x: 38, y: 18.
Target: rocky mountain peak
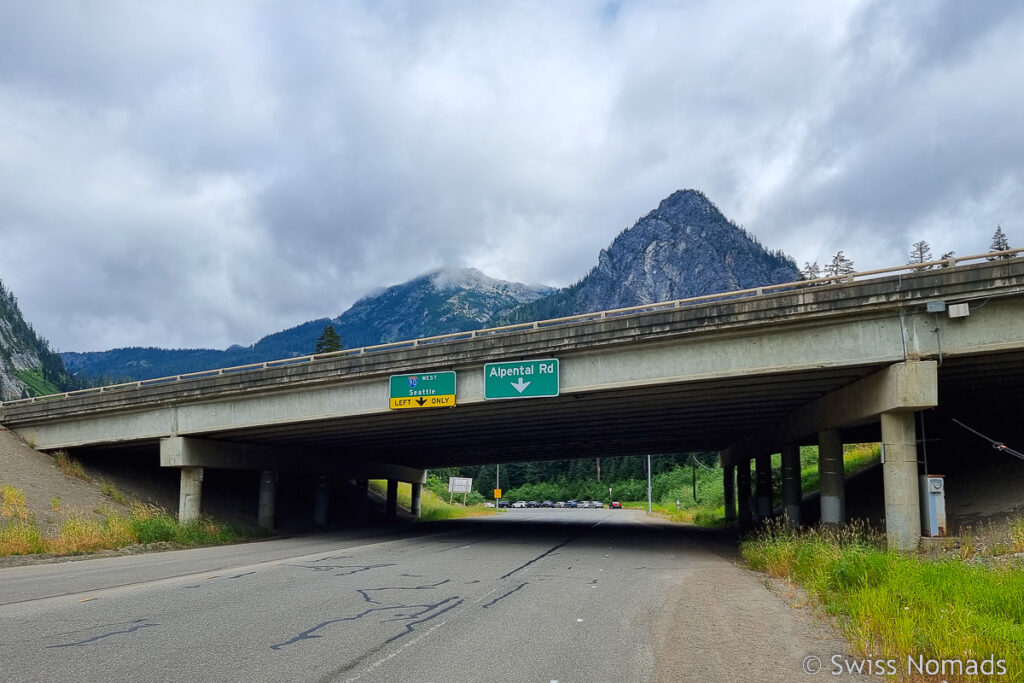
x: 686, y: 247
x: 693, y: 203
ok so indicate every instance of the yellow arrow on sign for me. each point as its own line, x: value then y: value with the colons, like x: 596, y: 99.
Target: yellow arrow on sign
x: 442, y: 401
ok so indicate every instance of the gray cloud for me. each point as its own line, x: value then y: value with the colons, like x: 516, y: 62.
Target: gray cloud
x: 184, y: 175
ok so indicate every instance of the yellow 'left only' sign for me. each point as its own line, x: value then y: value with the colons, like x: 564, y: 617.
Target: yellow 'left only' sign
x: 422, y: 390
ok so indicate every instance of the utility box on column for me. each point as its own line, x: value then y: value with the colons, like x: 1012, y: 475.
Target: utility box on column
x: 933, y: 505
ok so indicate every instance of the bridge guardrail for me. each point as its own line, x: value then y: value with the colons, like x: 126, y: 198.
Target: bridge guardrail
x: 515, y: 327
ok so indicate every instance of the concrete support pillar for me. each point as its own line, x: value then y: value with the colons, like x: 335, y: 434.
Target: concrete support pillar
x: 268, y: 499
x: 190, y: 499
x: 743, y: 496
x: 415, y: 506
x: 361, y: 494
x: 392, y: 506
x: 791, y: 493
x: 899, y: 473
x: 830, y: 470
x: 763, y: 463
x: 322, y: 501
x: 729, y: 476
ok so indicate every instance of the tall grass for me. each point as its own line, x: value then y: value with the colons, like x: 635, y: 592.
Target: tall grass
x: 898, y: 605
x: 70, y: 466
x: 20, y: 538
x: 79, y: 534
x: 1017, y: 536
x: 12, y: 503
x: 112, y: 492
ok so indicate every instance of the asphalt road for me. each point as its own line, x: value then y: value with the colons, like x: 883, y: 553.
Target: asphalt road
x: 530, y: 595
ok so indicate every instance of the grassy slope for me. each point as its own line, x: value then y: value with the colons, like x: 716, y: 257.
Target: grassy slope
x: 896, y: 606
x: 36, y: 384
x: 69, y: 531
x: 432, y: 507
x: 19, y: 534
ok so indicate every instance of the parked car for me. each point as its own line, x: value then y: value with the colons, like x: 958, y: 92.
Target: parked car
x: 616, y: 505
x: 488, y: 505
x: 532, y: 504
x: 559, y: 503
x: 597, y: 504
x: 503, y: 504
x: 570, y: 503
x: 519, y: 504
x: 548, y: 504
x: 583, y: 504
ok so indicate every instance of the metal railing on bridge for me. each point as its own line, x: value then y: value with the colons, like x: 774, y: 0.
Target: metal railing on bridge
x: 518, y: 327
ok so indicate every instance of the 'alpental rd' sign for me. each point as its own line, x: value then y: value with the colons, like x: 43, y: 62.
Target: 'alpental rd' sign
x: 423, y: 390
x: 521, y: 379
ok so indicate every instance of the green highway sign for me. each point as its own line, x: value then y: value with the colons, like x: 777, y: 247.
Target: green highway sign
x: 423, y: 390
x: 521, y: 379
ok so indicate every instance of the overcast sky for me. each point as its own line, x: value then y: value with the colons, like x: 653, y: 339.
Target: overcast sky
x: 201, y: 174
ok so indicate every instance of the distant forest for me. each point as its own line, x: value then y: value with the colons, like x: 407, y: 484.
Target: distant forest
x: 575, y: 478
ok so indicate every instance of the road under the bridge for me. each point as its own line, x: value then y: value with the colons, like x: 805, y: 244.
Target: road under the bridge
x: 558, y: 595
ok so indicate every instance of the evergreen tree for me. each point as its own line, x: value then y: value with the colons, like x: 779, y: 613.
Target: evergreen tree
x: 920, y: 252
x: 840, y: 265
x: 329, y: 340
x: 999, y: 243
x: 811, y: 271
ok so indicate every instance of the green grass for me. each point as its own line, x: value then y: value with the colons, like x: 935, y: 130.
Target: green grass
x: 70, y: 466
x: 79, y: 534
x: 112, y: 492
x: 12, y: 503
x: 899, y: 605
x: 432, y: 506
x: 36, y: 384
x: 708, y: 508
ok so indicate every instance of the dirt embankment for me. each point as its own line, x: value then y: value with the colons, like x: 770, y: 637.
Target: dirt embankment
x: 50, y: 495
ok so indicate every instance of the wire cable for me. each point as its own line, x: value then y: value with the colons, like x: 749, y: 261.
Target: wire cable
x: 997, y: 445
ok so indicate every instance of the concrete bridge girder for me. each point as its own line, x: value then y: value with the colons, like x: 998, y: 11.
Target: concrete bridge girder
x: 180, y: 451
x: 788, y: 346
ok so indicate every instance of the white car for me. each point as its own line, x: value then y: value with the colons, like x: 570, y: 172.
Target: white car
x: 519, y: 504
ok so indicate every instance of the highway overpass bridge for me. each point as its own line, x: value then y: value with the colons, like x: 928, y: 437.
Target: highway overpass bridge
x: 747, y: 374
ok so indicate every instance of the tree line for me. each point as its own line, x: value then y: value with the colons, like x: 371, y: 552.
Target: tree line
x: 574, y: 478
x: 920, y: 252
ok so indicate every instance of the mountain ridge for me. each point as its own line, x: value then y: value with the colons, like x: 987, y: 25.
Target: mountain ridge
x: 684, y: 247
x: 438, y: 302
x: 27, y: 364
